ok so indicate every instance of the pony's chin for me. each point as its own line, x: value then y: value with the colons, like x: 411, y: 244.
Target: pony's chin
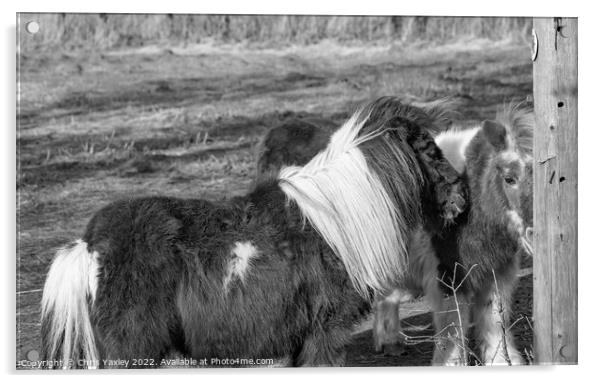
x: 526, y: 240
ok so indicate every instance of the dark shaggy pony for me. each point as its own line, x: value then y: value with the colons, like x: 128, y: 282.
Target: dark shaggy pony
x: 284, y: 271
x: 496, y: 160
x: 295, y: 142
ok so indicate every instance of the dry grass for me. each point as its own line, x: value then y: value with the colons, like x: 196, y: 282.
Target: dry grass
x: 94, y: 31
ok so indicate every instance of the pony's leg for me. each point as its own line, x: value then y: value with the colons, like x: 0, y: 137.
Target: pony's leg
x: 324, y: 348
x: 386, y: 320
x: 451, y: 317
x: 137, y: 333
x: 492, y: 324
x: 127, y: 345
x: 282, y: 362
x: 451, y: 321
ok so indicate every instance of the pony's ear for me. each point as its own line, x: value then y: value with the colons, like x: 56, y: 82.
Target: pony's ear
x: 495, y: 134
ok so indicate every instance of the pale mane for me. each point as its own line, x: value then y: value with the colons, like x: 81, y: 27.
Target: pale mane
x: 348, y: 205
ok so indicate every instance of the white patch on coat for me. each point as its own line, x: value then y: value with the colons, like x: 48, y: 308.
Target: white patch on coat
x: 347, y: 204
x: 71, y: 281
x: 243, y: 253
x: 453, y: 143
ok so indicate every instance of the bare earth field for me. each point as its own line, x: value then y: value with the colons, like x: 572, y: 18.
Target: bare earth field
x: 96, y: 126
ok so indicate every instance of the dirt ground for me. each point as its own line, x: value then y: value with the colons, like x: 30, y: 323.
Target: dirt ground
x: 417, y: 348
x: 94, y: 127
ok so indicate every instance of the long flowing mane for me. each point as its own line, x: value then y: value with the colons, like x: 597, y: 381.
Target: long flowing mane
x: 357, y: 194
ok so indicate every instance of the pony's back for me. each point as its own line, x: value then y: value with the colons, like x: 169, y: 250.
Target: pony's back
x: 297, y: 141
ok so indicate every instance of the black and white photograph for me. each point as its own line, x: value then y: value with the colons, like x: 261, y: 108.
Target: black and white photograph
x: 295, y: 190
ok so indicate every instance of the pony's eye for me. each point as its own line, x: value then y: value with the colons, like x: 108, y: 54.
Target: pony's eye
x: 510, y: 180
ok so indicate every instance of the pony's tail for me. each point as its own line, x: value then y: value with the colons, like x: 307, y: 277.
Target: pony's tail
x: 67, y: 334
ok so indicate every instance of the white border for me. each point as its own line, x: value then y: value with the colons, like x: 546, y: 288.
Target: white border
x: 338, y: 7
x: 589, y: 168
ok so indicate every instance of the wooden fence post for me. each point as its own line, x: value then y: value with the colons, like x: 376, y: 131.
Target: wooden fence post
x: 555, y: 191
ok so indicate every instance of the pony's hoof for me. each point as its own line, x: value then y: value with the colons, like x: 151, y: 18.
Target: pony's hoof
x: 449, y: 362
x: 514, y: 358
x: 392, y: 350
x: 454, y: 363
x: 448, y: 357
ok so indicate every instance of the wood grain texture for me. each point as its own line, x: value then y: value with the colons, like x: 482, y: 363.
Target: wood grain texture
x: 555, y: 191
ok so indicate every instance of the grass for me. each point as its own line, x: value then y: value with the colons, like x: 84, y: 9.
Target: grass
x: 96, y: 126
x: 102, y: 31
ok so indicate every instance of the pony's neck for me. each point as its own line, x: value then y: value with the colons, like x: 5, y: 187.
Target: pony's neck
x: 268, y: 204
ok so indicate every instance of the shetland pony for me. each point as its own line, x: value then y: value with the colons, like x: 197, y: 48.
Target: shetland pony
x: 496, y: 160
x: 296, y: 141
x: 284, y: 271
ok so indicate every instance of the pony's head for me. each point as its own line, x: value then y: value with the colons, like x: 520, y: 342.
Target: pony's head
x: 506, y: 182
x: 363, y: 192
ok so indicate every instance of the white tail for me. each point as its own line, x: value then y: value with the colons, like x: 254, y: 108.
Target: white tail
x: 349, y: 206
x: 67, y: 334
